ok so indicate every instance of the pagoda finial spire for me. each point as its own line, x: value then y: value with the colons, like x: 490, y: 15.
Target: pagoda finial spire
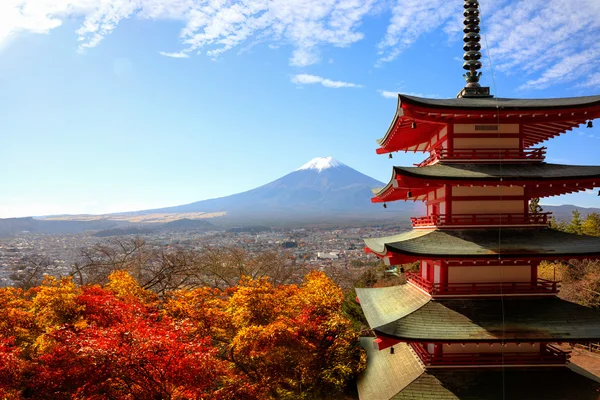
x: 472, y: 54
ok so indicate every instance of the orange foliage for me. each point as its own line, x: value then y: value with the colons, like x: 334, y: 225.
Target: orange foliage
x: 252, y: 341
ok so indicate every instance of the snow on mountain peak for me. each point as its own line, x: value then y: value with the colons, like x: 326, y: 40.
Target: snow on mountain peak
x: 321, y: 163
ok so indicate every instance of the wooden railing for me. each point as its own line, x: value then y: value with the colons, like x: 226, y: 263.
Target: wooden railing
x: 541, y: 286
x: 549, y: 355
x: 417, y: 280
x: 537, y: 219
x: 591, y: 347
x: 467, y: 155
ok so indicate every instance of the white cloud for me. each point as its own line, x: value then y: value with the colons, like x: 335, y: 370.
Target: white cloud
x: 210, y: 26
x: 180, y: 54
x: 388, y: 94
x: 305, y: 79
x: 592, y: 80
x: 411, y: 19
x: 552, y: 41
x: 546, y: 41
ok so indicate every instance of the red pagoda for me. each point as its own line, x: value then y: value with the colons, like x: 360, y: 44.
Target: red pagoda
x: 477, y: 321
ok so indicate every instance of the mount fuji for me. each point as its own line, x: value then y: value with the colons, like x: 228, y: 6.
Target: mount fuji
x: 323, y: 188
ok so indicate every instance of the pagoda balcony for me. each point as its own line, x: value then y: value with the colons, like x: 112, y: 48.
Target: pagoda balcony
x: 550, y: 355
x: 484, y: 155
x: 541, y: 286
x: 454, y: 221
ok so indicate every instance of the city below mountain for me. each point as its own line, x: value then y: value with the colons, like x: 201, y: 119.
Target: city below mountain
x: 323, y: 191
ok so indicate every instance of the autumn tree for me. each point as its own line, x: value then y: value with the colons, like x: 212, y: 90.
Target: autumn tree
x: 128, y: 350
x: 224, y: 267
x: 591, y: 225
x: 167, y: 269
x: 31, y: 271
x: 291, y: 341
x: 11, y: 370
x: 254, y: 340
x: 558, y: 225
x: 575, y: 226
x: 295, y: 340
x: 534, y: 206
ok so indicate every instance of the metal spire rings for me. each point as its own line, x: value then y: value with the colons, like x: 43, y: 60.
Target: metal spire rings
x: 472, y: 46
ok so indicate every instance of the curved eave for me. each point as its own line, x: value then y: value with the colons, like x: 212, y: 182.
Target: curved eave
x: 495, y: 103
x: 548, y: 319
x: 401, y: 136
x: 488, y: 244
x: 402, y: 189
x: 401, y: 376
x: 499, y: 172
x: 543, y: 180
x: 570, y: 382
x: 404, y: 312
x: 541, y: 119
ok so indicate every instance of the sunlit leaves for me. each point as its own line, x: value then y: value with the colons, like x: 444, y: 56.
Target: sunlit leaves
x: 256, y: 340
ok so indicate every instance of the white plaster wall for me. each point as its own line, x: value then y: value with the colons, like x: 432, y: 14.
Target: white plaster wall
x: 503, y: 273
x: 488, y: 191
x: 443, y: 207
x: 488, y: 207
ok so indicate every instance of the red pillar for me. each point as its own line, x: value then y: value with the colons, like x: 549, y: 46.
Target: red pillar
x: 534, y: 273
x: 444, y: 275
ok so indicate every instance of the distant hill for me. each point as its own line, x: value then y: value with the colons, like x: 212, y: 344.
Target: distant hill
x: 186, y: 224
x: 183, y: 224
x: 10, y: 226
x: 565, y: 212
x: 130, y: 230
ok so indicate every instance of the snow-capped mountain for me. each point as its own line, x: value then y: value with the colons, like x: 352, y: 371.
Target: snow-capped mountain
x: 321, y: 163
x: 323, y: 187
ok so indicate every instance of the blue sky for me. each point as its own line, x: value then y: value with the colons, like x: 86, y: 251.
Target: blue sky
x: 130, y: 104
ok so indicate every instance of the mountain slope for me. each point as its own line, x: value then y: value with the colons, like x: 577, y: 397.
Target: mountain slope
x: 322, y: 186
x: 565, y: 211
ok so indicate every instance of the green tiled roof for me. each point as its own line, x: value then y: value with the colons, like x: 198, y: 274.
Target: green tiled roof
x: 400, y: 376
x: 494, y: 384
x: 488, y: 243
x: 541, y: 171
x: 385, y: 305
x: 477, y: 319
x: 387, y: 373
x: 503, y: 104
x: 549, y: 318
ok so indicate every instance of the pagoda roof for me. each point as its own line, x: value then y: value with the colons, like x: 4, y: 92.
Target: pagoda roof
x: 514, y: 383
x: 420, y: 180
x: 540, y: 119
x: 386, y: 373
x: 542, y: 171
x: 486, y: 243
x: 547, y: 319
x: 400, y: 376
x: 494, y: 103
